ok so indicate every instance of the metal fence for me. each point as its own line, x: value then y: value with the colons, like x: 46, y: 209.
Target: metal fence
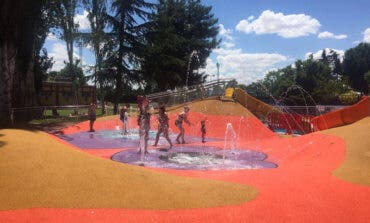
x: 38, y: 112
x: 183, y: 95
x: 309, y: 110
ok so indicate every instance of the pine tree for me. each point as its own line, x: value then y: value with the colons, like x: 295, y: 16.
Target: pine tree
x: 183, y: 35
x: 127, y: 22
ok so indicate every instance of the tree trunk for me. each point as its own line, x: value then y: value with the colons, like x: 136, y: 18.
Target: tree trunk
x: 7, y: 54
x: 117, y: 93
x: 17, y: 37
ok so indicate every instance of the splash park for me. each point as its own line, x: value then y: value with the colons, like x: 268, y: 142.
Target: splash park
x: 244, y: 171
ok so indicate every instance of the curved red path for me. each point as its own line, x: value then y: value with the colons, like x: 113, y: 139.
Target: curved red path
x: 301, y: 189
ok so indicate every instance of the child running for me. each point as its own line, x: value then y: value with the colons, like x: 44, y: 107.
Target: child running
x: 163, y: 126
x: 182, y: 117
x: 143, y: 122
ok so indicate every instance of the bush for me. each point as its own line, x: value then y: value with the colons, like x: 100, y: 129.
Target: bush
x: 349, y: 98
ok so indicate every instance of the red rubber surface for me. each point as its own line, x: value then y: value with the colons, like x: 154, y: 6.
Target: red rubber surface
x: 301, y: 189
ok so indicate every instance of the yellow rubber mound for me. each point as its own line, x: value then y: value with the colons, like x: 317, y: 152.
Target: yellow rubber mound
x: 356, y: 166
x: 257, y: 107
x: 215, y: 107
x: 37, y: 171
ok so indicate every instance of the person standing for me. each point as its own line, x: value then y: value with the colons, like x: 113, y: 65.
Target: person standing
x: 163, y: 126
x: 123, y: 117
x: 92, y: 115
x: 143, y: 122
x: 203, y: 130
x: 182, y: 117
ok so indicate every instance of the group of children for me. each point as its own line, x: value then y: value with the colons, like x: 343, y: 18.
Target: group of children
x: 163, y: 124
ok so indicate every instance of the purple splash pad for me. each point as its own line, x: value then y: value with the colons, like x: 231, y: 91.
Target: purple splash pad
x: 196, y: 158
x: 93, y: 140
x: 115, y: 139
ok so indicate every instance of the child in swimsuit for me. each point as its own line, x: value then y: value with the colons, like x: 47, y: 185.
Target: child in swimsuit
x: 203, y: 130
x: 162, y: 126
x: 143, y: 122
x: 123, y: 118
x: 92, y: 116
x: 182, y: 117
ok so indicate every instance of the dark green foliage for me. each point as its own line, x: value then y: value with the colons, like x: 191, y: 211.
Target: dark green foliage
x: 128, y: 24
x: 367, y: 77
x: 74, y: 73
x: 356, y: 63
x: 21, y: 39
x: 97, y: 15
x: 309, y: 82
x: 182, y: 35
x: 42, y: 64
x: 65, y: 11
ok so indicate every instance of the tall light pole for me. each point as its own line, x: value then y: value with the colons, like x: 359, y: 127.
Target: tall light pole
x: 218, y: 71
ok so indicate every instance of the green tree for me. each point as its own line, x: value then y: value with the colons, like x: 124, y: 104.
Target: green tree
x: 367, y: 77
x: 356, y: 63
x: 97, y: 15
x: 309, y: 82
x: 183, y: 35
x: 22, y: 34
x: 65, y: 12
x: 42, y: 64
x: 74, y: 73
x: 127, y: 23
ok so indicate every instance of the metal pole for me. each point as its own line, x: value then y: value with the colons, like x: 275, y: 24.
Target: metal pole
x: 218, y: 71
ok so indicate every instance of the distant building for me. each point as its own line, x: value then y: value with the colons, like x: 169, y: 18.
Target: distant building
x: 62, y: 94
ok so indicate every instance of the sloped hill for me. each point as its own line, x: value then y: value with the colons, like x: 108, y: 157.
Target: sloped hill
x: 356, y: 166
x: 38, y: 171
x: 214, y: 107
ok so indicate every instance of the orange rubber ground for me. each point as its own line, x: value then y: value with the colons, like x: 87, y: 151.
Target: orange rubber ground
x: 301, y: 189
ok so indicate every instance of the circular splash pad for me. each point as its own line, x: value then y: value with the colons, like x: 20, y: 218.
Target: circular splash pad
x: 196, y: 158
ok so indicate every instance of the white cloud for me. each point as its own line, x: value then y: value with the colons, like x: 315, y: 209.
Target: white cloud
x: 250, y: 18
x: 244, y: 67
x: 329, y: 35
x: 356, y: 42
x: 51, y: 37
x: 226, y: 34
x: 318, y: 54
x: 228, y: 44
x: 367, y: 35
x: 59, y: 54
x: 287, y: 26
x: 223, y: 51
x: 82, y: 20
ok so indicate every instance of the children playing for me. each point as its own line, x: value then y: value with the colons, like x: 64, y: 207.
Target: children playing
x: 182, y: 117
x: 143, y: 122
x: 162, y: 126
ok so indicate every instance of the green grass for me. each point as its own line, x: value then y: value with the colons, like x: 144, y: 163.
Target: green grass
x: 67, y: 115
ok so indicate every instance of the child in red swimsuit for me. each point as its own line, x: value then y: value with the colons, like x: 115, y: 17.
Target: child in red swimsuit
x: 182, y: 117
x: 143, y: 121
x: 162, y: 126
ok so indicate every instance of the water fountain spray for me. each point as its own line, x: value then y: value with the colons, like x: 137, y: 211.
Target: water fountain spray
x: 230, y: 136
x: 193, y: 53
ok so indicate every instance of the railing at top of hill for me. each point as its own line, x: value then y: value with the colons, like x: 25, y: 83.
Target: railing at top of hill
x: 191, y: 93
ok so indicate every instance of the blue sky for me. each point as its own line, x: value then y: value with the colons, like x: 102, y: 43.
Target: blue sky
x: 262, y: 35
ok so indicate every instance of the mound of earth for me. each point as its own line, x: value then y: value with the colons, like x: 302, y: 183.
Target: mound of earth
x: 356, y: 166
x: 214, y: 107
x: 38, y: 171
